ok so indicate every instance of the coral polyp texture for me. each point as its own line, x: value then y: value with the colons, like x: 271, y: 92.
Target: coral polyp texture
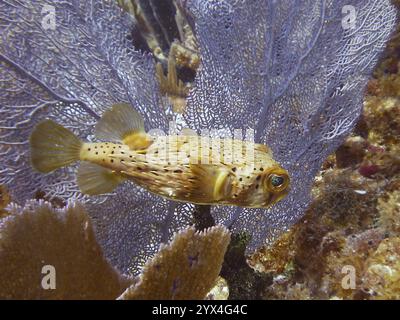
x: 295, y: 72
x: 187, y: 268
x: 48, y: 253
x: 36, y: 237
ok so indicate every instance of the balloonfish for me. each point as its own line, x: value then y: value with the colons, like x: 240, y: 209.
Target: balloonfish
x: 185, y: 167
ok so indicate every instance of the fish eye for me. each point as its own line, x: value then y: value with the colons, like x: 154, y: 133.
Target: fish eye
x: 277, y: 182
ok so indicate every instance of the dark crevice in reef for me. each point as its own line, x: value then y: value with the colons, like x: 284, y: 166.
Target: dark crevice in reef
x: 244, y: 283
x: 203, y: 218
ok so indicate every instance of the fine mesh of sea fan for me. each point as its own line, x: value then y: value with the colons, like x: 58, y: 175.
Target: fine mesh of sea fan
x: 186, y: 268
x: 37, y: 238
x: 295, y: 72
x: 287, y: 69
x: 72, y: 72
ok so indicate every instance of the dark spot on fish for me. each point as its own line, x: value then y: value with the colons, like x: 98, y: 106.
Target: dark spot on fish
x: 112, y: 160
x: 261, y: 169
x: 178, y: 171
x: 88, y: 149
x: 255, y: 169
x: 130, y: 156
x: 95, y: 147
x: 258, y: 177
x: 234, y: 169
x: 97, y: 153
x: 112, y: 152
x: 139, y: 168
x: 240, y: 179
x: 101, y: 146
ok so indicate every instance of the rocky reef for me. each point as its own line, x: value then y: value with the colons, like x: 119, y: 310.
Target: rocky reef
x: 353, y: 224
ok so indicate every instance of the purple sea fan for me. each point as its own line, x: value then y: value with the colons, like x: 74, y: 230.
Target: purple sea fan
x: 288, y: 69
x: 295, y: 71
x: 72, y: 72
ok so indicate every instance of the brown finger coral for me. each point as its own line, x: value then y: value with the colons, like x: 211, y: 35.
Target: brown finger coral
x: 187, y: 268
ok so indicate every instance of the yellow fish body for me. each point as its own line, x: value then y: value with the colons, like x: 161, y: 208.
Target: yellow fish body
x: 189, y: 168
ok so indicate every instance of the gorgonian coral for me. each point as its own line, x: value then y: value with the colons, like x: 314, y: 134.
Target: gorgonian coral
x: 294, y: 71
x: 71, y: 74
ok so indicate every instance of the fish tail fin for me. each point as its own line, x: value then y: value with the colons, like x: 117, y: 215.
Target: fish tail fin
x: 53, y: 146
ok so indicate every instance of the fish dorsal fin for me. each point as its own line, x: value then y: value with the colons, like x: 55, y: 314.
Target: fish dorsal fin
x: 262, y: 148
x: 93, y: 179
x: 122, y: 123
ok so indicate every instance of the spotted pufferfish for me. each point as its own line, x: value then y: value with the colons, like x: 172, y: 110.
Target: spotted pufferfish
x: 188, y: 168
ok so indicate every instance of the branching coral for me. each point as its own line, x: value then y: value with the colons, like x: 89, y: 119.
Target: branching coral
x: 37, y: 236
x: 187, y: 268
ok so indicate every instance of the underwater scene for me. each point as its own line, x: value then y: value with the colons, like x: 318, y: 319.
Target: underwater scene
x: 199, y: 150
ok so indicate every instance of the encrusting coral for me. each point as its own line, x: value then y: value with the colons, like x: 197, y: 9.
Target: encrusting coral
x: 353, y: 222
x: 382, y: 276
x: 187, y: 268
x: 37, y: 236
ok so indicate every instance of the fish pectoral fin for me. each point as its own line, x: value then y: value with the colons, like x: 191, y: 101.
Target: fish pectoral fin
x: 214, y: 183
x: 222, y: 185
x: 122, y: 123
x: 93, y: 179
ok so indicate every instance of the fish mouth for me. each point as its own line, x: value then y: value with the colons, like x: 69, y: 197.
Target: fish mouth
x: 276, y: 197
